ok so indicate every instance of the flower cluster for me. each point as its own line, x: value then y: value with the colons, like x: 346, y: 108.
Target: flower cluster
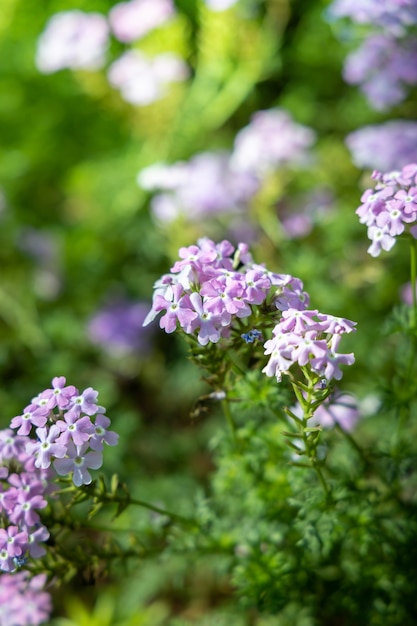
x: 270, y: 140
x: 78, y: 40
x: 70, y: 432
x: 226, y: 182
x: 392, y: 15
x: 383, y: 67
x: 214, y: 286
x: 384, y: 147
x: 23, y: 600
x: 205, y: 185
x: 205, y: 293
x: 308, y: 338
x: 22, y: 495
x: 391, y: 208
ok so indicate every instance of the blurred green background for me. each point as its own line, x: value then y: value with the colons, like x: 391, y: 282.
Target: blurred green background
x: 77, y: 236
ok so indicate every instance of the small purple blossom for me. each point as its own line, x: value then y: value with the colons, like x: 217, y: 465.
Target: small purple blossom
x: 78, y: 461
x: 46, y: 447
x: 33, y: 415
x: 102, y: 435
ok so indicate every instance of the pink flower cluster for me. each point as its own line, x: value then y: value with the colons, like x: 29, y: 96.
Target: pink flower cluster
x: 308, y: 338
x: 23, y: 601
x: 391, y: 208
x: 70, y: 432
x: 205, y: 292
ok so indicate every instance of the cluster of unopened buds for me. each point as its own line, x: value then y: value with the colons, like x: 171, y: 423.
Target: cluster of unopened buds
x: 390, y: 209
x: 214, y: 286
x: 69, y: 431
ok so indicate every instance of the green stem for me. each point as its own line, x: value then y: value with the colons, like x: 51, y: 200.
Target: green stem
x: 352, y: 442
x: 230, y: 421
x: 150, y: 507
x: 308, y: 405
x: 413, y: 274
x: 322, y: 479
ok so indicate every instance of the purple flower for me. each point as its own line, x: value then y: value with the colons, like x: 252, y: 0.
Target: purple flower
x: 35, y: 539
x: 308, y: 338
x: 33, y: 415
x: 206, y: 185
x: 24, y: 511
x: 271, y: 140
x: 178, y: 311
x: 132, y: 20
x: 13, y: 540
x: 142, y: 80
x: 101, y: 434
x: 391, y: 208
x: 118, y: 328
x: 74, y: 428
x: 60, y: 395
x: 204, y: 293
x: 383, y: 67
x: 208, y: 324
x: 73, y: 39
x: 338, y: 408
x: 84, y: 403
x: 384, y: 146
x: 23, y: 601
x: 393, y: 15
x: 79, y: 461
x: 46, y: 447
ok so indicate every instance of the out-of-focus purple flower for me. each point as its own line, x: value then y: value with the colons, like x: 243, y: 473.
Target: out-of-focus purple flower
x: 384, y: 147
x: 118, y: 329
x: 73, y: 39
x: 220, y: 5
x: 406, y: 294
x: 298, y: 216
x: 23, y: 600
x: 392, y: 15
x: 383, y: 67
x: 339, y: 408
x: 142, y: 80
x: 130, y: 21
x: 207, y: 185
x: 271, y: 140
